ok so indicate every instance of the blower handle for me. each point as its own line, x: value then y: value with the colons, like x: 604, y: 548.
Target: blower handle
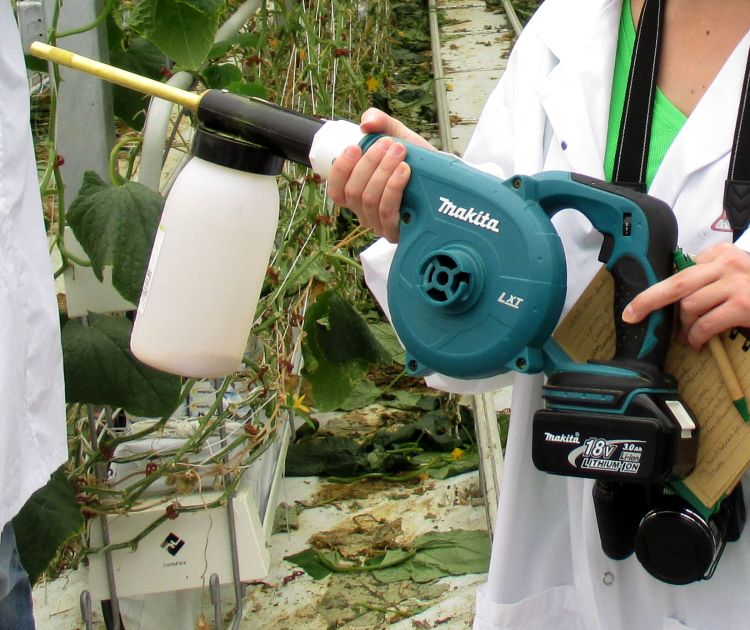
x: 640, y: 235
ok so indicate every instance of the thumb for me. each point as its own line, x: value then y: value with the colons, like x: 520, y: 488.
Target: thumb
x: 377, y: 121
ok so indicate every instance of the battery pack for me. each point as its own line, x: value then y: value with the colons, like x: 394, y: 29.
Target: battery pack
x: 650, y: 448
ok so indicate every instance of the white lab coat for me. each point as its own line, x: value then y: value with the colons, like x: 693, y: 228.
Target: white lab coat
x: 32, y: 406
x: 550, y: 112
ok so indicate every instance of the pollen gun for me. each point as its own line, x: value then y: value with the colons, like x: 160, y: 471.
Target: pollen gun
x: 478, y: 283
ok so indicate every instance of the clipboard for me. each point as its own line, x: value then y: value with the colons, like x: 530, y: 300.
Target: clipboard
x: 588, y: 332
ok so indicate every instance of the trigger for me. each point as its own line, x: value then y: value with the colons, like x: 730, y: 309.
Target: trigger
x: 605, y: 253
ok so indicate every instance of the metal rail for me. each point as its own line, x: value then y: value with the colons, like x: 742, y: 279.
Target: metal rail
x: 510, y: 13
x: 441, y: 97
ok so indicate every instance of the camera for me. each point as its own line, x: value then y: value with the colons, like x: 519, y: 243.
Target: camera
x: 634, y: 435
x: 672, y: 541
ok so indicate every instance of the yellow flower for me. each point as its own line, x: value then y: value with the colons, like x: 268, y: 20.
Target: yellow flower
x: 299, y: 404
x: 273, y: 43
x: 457, y: 453
x: 372, y: 84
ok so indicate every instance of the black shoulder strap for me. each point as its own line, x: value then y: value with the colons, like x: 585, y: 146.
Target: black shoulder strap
x: 737, y: 186
x: 635, y: 127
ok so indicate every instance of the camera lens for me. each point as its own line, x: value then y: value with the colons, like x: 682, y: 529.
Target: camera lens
x: 677, y: 546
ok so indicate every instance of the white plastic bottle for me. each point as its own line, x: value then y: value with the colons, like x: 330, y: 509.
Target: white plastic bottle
x: 209, y: 259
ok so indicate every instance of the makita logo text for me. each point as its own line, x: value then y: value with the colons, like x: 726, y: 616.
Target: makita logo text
x: 480, y: 219
x: 564, y: 438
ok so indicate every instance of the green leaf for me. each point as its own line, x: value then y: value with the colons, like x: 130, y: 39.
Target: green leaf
x: 365, y: 393
x: 400, y: 399
x: 468, y: 462
x: 433, y: 430
x: 311, y: 268
x: 183, y: 29
x: 116, y: 226
x: 220, y: 75
x: 243, y: 40
x: 141, y: 57
x: 313, y: 562
x: 439, y: 554
x: 338, y: 348
x: 325, y: 455
x: 248, y: 89
x: 34, y: 64
x: 99, y: 369
x: 386, y: 335
x: 430, y: 556
x: 49, y: 518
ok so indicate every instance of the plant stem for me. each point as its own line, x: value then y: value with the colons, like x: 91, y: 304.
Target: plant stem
x: 96, y: 22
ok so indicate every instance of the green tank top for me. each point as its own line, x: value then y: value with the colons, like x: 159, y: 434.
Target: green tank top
x: 667, y: 119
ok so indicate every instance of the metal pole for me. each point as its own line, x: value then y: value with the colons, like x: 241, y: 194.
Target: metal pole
x: 238, y: 588
x: 101, y: 475
x: 441, y: 98
x: 85, y: 131
x: 490, y: 454
x: 512, y: 17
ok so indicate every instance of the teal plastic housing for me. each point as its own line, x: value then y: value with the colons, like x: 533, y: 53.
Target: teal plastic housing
x: 478, y: 281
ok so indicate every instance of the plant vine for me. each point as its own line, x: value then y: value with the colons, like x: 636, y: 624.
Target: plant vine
x: 332, y: 59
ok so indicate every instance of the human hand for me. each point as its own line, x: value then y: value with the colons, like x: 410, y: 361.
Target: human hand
x: 713, y: 295
x: 372, y: 185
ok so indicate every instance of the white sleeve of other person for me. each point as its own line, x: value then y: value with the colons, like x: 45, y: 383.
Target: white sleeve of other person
x: 32, y: 416
x: 550, y: 112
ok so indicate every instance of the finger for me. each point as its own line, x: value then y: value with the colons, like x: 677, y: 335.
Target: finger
x: 712, y: 323
x: 714, y: 252
x: 667, y: 292
x: 358, y: 181
x: 376, y: 121
x: 727, y: 307
x: 340, y: 173
x: 373, y: 192
x: 390, y: 202
x: 695, y: 306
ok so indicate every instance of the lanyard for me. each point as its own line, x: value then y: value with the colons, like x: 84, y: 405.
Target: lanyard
x: 635, y: 126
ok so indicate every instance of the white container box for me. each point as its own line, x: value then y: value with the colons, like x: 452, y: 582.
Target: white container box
x: 183, y: 553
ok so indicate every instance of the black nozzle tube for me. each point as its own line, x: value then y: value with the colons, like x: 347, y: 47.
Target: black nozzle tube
x: 284, y: 132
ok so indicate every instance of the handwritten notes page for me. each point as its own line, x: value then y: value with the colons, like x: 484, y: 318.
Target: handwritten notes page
x: 588, y: 332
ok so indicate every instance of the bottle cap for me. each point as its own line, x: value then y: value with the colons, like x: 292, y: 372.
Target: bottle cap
x: 235, y: 153
x: 330, y: 141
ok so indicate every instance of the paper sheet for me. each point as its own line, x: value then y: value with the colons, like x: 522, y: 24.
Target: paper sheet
x: 588, y: 332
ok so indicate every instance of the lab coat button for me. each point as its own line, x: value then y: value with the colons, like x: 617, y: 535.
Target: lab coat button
x: 608, y: 578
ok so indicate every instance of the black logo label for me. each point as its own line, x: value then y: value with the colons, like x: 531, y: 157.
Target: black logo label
x: 172, y: 543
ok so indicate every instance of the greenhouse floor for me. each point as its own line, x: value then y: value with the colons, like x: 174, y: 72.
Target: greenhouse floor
x: 288, y: 598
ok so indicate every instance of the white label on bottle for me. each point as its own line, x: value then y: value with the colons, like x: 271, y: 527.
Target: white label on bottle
x: 160, y: 233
